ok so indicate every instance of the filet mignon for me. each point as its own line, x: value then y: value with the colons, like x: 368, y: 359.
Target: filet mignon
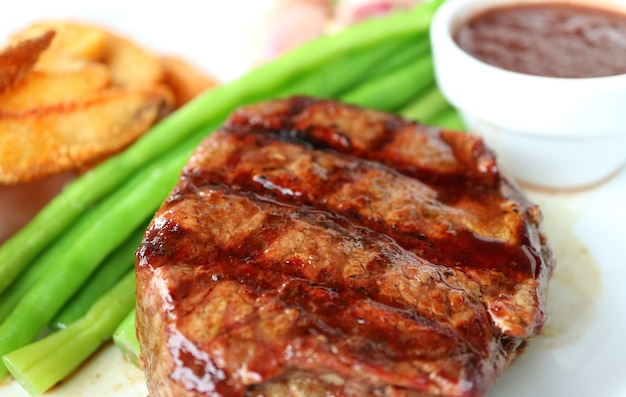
x: 316, y: 248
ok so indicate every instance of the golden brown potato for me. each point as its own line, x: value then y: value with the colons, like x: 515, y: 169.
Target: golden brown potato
x: 84, y: 93
x: 74, y: 44
x: 50, y: 140
x: 77, y: 44
x: 185, y: 80
x: 41, y: 88
x: 129, y: 64
x: 17, y: 59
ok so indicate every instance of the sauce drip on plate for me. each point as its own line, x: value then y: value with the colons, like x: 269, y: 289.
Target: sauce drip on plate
x: 554, y: 39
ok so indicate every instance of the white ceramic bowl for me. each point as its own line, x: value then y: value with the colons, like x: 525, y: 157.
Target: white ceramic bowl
x: 560, y: 133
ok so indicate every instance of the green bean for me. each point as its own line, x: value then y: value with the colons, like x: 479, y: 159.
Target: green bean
x: 12, y: 295
x: 104, y: 278
x: 335, y: 78
x: 425, y: 108
x: 210, y: 108
x: 391, y: 91
x: 414, y: 48
x: 40, y: 365
x: 79, y: 304
x: 125, y: 338
x: 451, y: 119
x: 94, y: 236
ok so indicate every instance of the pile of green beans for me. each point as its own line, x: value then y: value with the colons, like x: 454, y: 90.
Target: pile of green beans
x: 87, y: 235
x: 40, y: 365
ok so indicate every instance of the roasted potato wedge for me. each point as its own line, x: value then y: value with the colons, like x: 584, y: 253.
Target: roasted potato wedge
x: 50, y: 140
x: 17, y: 59
x: 41, y: 89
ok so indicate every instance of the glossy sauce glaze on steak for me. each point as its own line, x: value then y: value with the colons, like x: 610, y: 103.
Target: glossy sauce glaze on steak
x: 313, y: 248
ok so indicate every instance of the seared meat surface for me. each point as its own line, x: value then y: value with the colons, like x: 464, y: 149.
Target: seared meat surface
x: 315, y: 248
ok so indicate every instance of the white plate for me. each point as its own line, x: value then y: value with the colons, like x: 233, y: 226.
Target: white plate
x: 582, y: 352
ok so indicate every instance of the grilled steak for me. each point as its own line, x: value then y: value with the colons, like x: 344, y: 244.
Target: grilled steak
x: 315, y: 248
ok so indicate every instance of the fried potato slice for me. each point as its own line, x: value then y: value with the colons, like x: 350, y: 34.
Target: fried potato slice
x: 18, y: 58
x: 51, y: 140
x: 184, y: 79
x: 130, y: 65
x: 42, y: 88
x: 74, y: 44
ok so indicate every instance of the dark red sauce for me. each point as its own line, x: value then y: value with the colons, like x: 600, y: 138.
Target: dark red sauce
x: 555, y: 40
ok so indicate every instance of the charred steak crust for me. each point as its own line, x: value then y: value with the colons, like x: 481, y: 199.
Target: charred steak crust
x: 317, y: 248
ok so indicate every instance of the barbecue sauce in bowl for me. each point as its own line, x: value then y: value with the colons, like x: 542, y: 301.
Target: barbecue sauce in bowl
x: 549, y: 39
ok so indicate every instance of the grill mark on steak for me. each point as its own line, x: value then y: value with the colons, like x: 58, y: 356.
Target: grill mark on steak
x: 462, y: 172
x: 305, y: 248
x: 356, y: 302
x: 357, y: 190
x: 379, y: 198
